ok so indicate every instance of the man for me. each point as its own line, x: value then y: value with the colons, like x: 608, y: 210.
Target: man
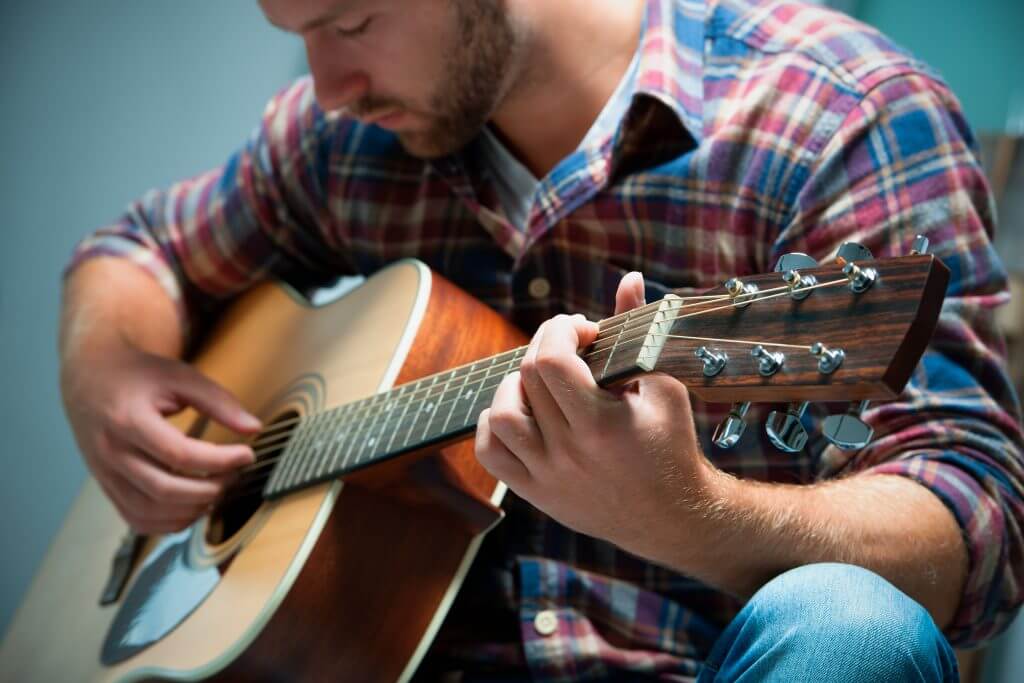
x: 537, y: 153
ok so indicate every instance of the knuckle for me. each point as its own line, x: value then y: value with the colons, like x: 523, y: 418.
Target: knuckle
x: 120, y: 419
x: 503, y: 419
x: 162, y: 491
x: 177, y: 457
x: 549, y: 362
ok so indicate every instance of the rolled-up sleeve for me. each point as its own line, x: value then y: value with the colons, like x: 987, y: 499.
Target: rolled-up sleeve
x: 261, y: 214
x: 902, y: 163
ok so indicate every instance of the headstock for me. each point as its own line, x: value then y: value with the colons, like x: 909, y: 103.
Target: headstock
x: 851, y: 330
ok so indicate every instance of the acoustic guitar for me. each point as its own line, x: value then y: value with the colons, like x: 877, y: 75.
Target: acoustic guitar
x: 338, y: 552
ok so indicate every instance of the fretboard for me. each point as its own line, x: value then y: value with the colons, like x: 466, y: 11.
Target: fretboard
x: 433, y: 410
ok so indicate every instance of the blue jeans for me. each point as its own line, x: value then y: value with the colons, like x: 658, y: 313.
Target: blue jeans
x: 830, y: 623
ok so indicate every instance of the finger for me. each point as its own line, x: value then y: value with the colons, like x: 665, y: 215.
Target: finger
x: 212, y: 400
x: 163, y: 487
x: 163, y: 442
x: 569, y: 381
x: 511, y: 423
x: 630, y: 293
x: 543, y: 407
x: 142, y: 514
x: 495, y: 457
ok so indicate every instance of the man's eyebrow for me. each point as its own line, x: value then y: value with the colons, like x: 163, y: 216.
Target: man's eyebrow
x: 331, y: 15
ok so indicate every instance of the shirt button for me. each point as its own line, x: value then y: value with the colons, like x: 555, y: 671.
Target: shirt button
x: 539, y: 287
x: 545, y: 623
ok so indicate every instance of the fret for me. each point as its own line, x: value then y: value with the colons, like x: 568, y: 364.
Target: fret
x: 433, y: 403
x: 375, y: 429
x: 295, y: 449
x: 366, y: 422
x: 342, y: 428
x: 322, y: 465
x: 458, y: 394
x: 478, y: 388
x: 402, y: 391
x: 418, y: 407
x: 313, y: 446
x: 615, y: 344
x: 356, y: 428
x: 352, y: 436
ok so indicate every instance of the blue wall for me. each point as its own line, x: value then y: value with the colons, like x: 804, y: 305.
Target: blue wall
x: 101, y: 101
x: 978, y: 46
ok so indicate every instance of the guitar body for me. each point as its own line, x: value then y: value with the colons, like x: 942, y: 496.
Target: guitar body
x: 347, y: 580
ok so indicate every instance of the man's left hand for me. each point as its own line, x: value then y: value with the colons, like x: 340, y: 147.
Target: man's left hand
x: 621, y: 465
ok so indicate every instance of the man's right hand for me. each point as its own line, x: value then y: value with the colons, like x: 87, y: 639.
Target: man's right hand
x: 159, y: 479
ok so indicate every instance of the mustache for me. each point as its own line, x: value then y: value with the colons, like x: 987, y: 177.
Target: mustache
x: 370, y: 105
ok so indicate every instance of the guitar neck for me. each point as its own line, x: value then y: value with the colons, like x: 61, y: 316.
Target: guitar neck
x: 835, y: 332
x: 433, y: 410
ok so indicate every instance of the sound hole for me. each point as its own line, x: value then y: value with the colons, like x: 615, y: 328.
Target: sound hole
x: 241, y: 500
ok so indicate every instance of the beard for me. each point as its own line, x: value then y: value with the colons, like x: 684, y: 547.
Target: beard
x: 474, y: 78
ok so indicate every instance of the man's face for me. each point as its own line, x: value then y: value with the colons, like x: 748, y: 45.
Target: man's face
x: 432, y: 71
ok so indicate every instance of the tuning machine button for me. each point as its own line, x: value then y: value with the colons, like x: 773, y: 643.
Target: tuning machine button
x: 848, y: 430
x: 920, y: 245
x: 852, y: 251
x: 728, y: 432
x: 768, y: 362
x: 742, y: 294
x: 829, y: 360
x: 794, y: 261
x: 860, y: 279
x: 799, y: 285
x: 785, y: 430
x: 714, y: 361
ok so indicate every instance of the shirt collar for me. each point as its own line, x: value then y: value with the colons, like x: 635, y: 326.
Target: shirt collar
x: 671, y: 67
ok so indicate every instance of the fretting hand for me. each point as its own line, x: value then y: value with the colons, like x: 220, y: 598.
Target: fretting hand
x: 620, y: 465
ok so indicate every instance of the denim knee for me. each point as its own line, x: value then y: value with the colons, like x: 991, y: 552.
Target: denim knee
x: 833, y: 622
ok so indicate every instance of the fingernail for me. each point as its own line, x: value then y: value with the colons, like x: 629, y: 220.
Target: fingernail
x: 250, y: 421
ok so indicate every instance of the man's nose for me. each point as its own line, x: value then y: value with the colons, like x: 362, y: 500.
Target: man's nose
x: 337, y: 82
x: 333, y: 93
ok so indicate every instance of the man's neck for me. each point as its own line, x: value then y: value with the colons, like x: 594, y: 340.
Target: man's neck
x: 576, y: 53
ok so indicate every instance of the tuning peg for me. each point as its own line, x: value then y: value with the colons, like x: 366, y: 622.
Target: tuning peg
x: 861, y: 279
x: 829, y: 360
x: 729, y: 430
x: 851, y: 251
x: 799, y: 284
x: 714, y: 362
x: 794, y: 261
x: 785, y: 430
x: 920, y: 245
x: 768, y: 362
x: 847, y: 430
x: 742, y: 294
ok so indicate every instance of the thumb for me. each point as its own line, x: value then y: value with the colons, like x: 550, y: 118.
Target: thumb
x: 630, y: 294
x: 213, y: 400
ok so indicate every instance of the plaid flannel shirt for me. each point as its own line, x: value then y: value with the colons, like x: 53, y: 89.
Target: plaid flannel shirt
x: 755, y: 129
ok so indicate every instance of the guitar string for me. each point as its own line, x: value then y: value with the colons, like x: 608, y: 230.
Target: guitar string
x: 262, y: 464
x: 368, y: 401
x: 364, y: 407
x: 370, y: 410
x: 506, y: 365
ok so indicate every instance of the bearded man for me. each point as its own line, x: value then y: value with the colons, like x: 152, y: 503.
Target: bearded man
x: 540, y: 154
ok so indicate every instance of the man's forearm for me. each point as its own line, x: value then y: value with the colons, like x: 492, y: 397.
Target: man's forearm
x: 109, y: 301
x: 888, y: 524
